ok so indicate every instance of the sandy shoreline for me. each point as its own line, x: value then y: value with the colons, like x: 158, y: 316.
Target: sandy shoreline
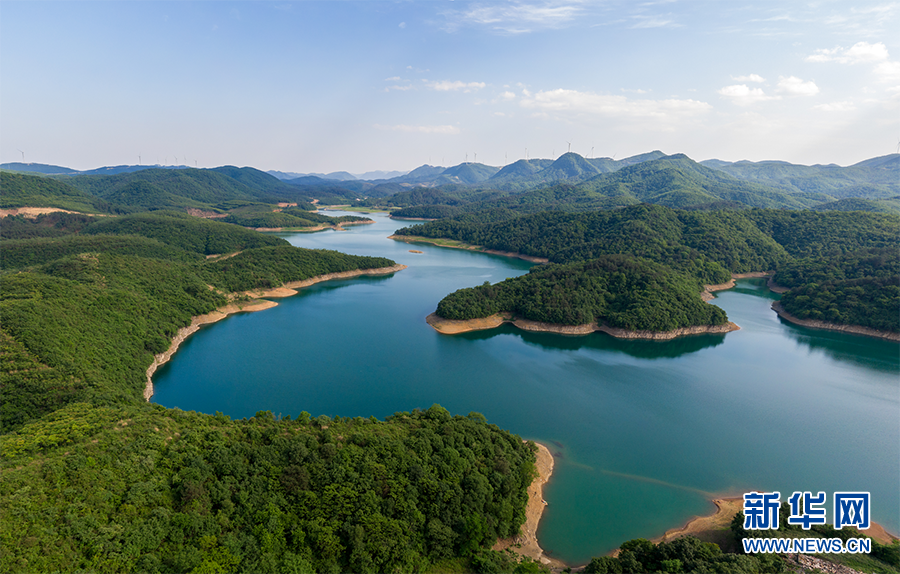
x: 467, y: 247
x: 336, y: 227
x: 815, y: 324
x: 453, y: 327
x: 526, y: 543
x: 255, y: 304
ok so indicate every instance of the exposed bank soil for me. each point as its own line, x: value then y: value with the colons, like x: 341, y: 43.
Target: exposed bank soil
x: 815, y: 324
x: 714, y: 528
x: 205, y: 214
x: 256, y: 303
x: 526, y: 543
x: 336, y: 227
x: 453, y: 327
x: 32, y: 212
x: 467, y: 247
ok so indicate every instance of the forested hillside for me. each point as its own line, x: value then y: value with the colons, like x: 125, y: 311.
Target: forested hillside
x: 96, y: 479
x: 23, y: 190
x: 132, y: 488
x: 183, y: 188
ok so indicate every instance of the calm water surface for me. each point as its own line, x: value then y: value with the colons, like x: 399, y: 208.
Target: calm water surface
x: 644, y: 432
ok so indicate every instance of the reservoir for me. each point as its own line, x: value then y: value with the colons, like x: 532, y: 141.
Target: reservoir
x: 644, y: 432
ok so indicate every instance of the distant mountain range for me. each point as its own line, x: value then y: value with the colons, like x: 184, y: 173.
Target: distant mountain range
x: 569, y: 182
x: 339, y: 175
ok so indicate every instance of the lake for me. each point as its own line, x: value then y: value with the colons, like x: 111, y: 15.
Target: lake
x: 644, y: 432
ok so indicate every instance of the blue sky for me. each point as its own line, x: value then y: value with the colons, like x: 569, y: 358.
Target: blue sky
x: 359, y: 86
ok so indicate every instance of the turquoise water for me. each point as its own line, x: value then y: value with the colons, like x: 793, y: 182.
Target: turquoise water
x: 644, y: 432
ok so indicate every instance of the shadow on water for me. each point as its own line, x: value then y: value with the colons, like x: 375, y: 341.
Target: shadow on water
x: 754, y: 286
x: 602, y: 342
x: 336, y: 284
x: 879, y: 354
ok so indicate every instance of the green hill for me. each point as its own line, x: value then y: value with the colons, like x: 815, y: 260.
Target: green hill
x: 523, y: 168
x: 678, y: 181
x: 469, y: 173
x: 23, y: 190
x: 262, y: 182
x: 183, y: 188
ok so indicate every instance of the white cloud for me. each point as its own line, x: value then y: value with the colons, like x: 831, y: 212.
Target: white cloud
x: 794, y: 86
x: 861, y: 52
x: 888, y: 71
x: 402, y: 25
x: 751, y: 78
x: 836, y: 107
x: 516, y: 17
x: 392, y: 79
x: 506, y: 96
x: 446, y: 130
x: 742, y: 95
x: 586, y: 103
x: 447, y: 86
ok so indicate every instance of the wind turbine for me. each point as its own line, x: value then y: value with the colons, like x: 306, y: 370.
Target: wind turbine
x: 592, y: 152
x: 23, y: 154
x: 526, y: 154
x: 139, y: 160
x: 570, y: 147
x: 476, y: 158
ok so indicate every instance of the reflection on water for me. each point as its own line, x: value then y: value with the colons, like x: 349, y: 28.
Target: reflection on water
x: 641, y: 349
x: 867, y: 352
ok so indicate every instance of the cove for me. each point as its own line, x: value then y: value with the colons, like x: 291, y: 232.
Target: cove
x: 644, y: 432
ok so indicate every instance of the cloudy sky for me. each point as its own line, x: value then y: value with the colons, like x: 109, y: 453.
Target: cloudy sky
x: 358, y: 86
